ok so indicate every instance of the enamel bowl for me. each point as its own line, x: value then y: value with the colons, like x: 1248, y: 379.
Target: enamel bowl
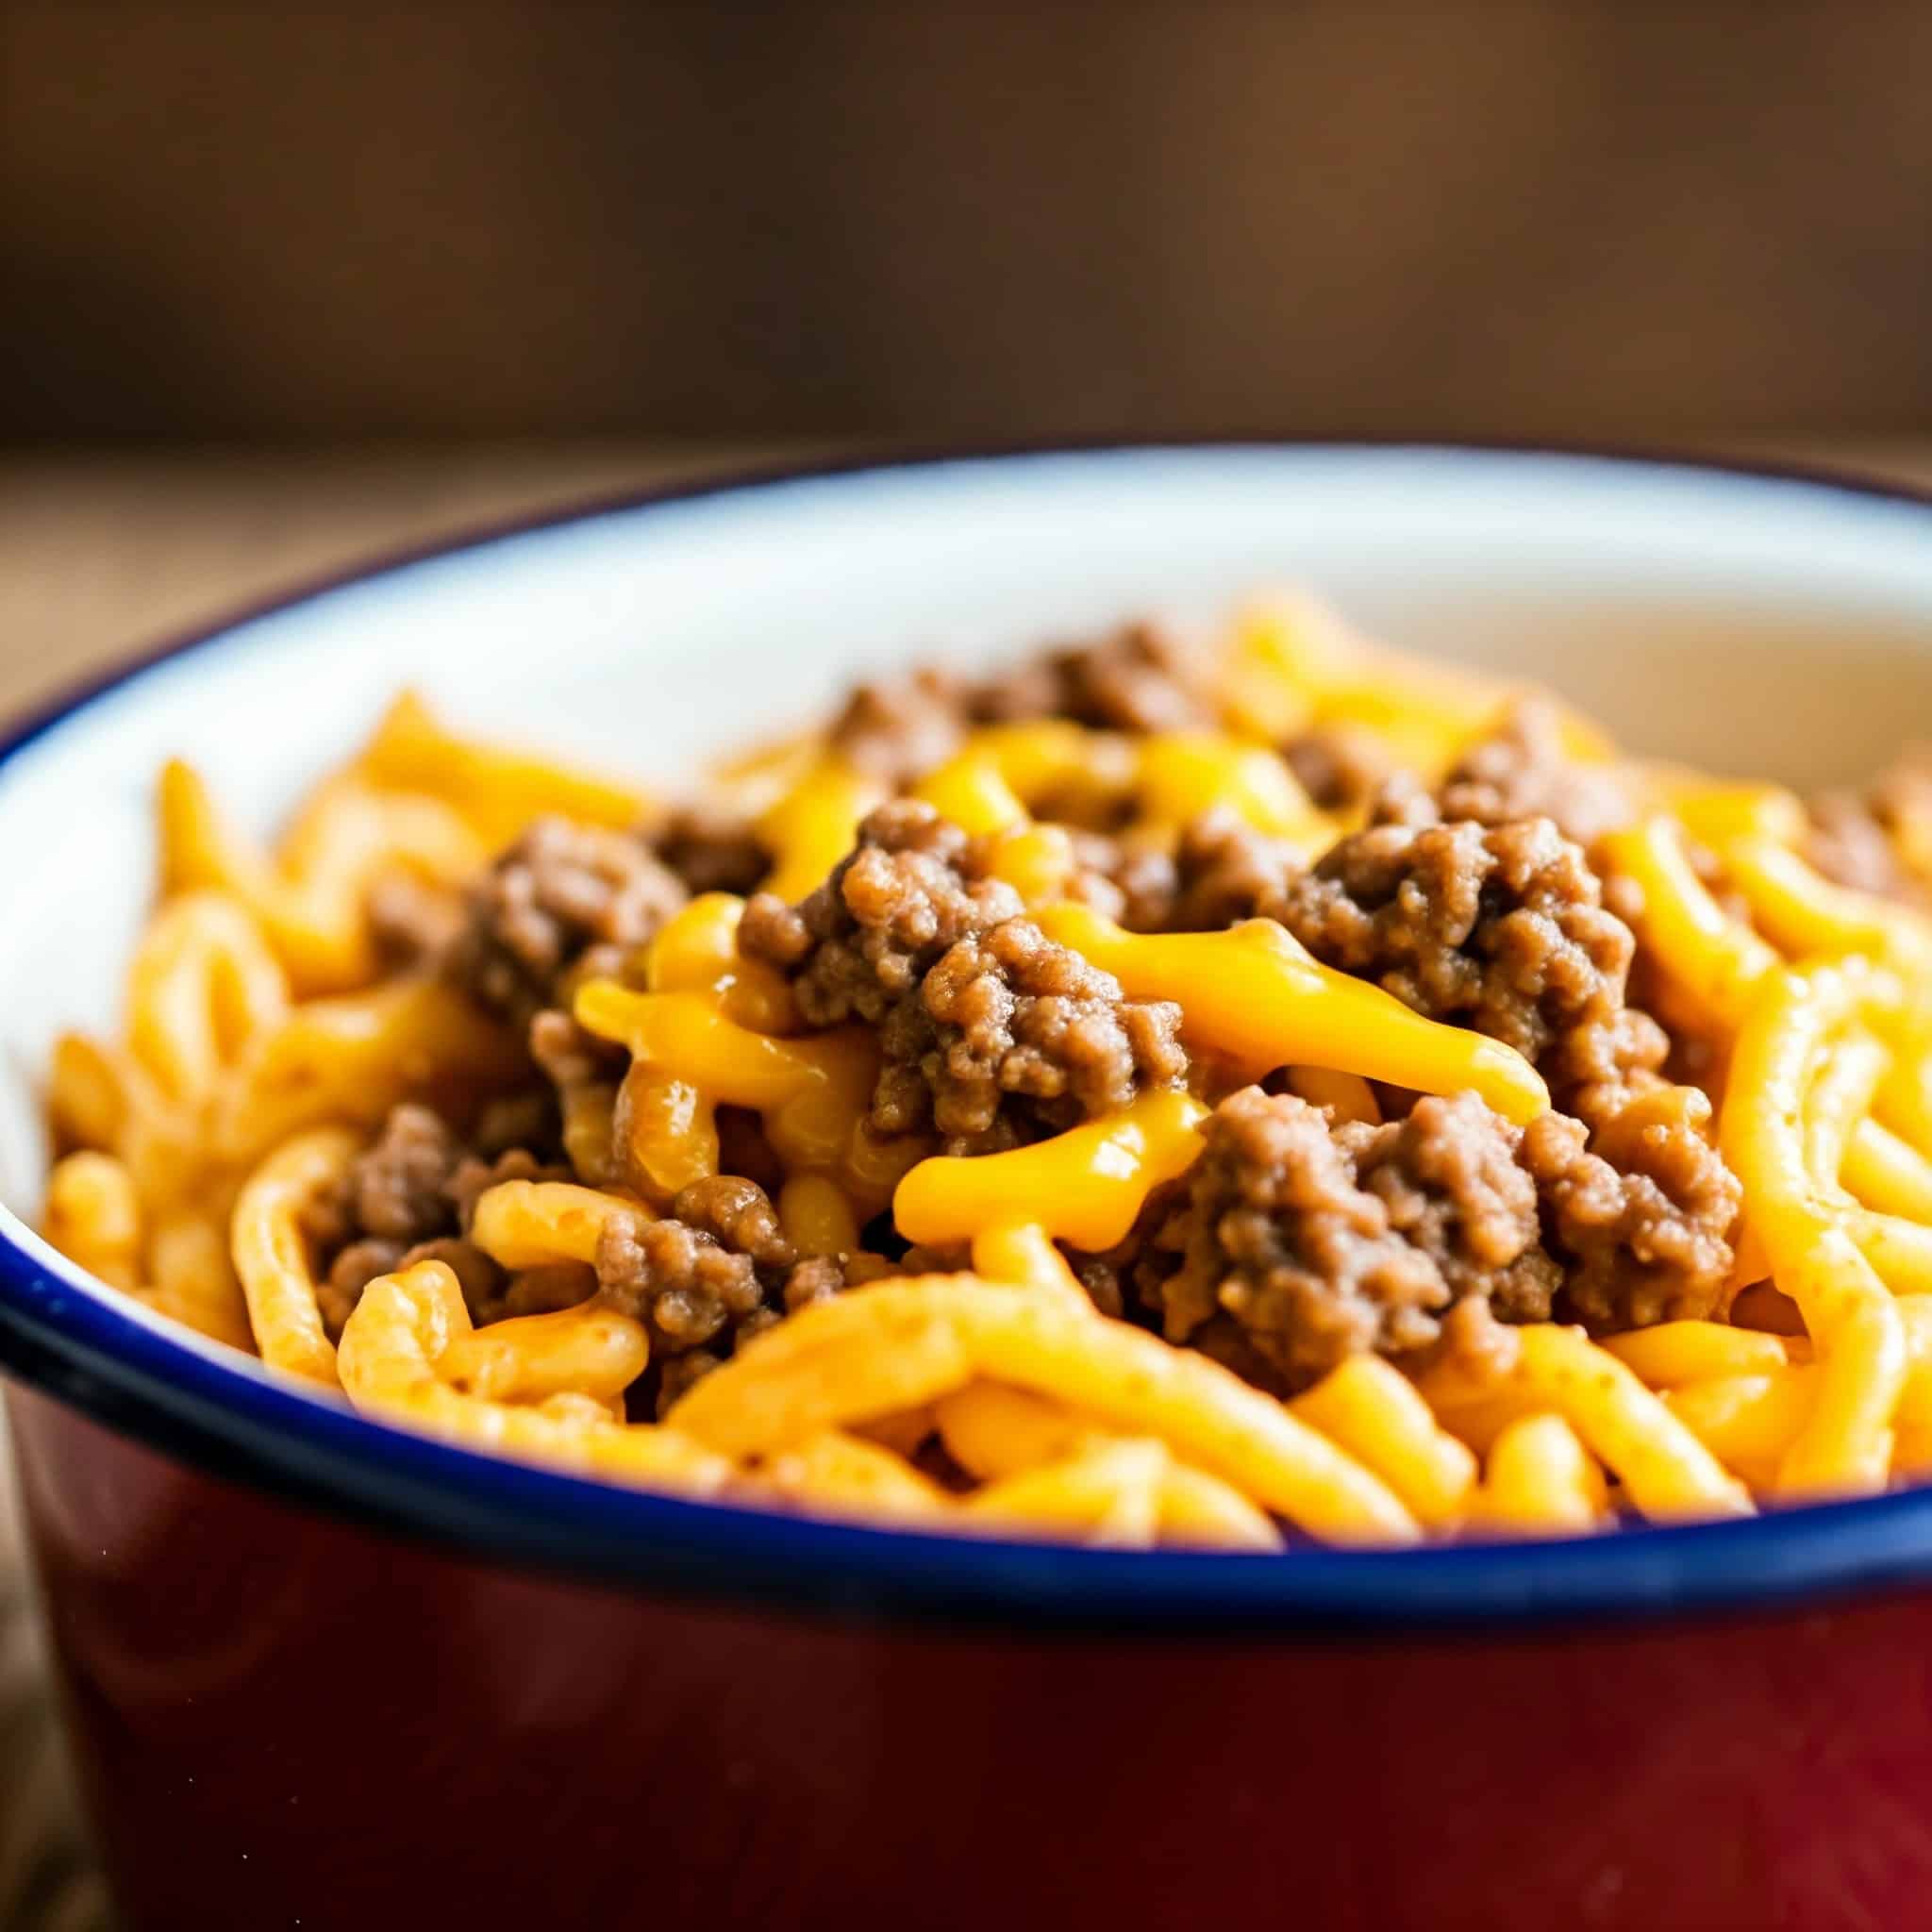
x: 322, y: 1673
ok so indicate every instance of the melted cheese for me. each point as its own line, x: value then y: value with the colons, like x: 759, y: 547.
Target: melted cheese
x: 1253, y: 996
x: 812, y: 1094
x: 1184, y: 774
x: 1293, y: 666
x: 1086, y: 1186
x: 1037, y: 862
x: 1003, y: 770
x: 815, y: 825
x: 696, y: 951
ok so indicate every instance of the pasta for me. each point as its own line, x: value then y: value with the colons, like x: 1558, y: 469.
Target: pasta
x: 1217, y: 1094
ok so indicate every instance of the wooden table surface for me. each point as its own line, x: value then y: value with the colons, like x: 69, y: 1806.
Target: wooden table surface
x: 102, y: 555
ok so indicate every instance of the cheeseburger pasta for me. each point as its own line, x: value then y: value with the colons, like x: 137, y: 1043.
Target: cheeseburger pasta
x: 1159, y: 1094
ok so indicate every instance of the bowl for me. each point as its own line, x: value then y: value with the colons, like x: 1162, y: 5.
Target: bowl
x: 321, y: 1673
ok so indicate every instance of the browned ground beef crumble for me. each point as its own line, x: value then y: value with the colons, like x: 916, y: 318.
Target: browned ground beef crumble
x: 1312, y: 1243
x: 867, y: 936
x: 993, y: 1034
x: 1295, y: 1240
x: 1277, y: 1233
x: 1469, y: 904
x: 408, y: 1197
x: 1452, y: 1177
x: 579, y: 1067
x: 895, y: 728
x: 710, y: 850
x: 412, y: 923
x: 1521, y: 772
x: 1011, y: 1034
x: 1226, y: 872
x: 566, y: 902
x: 1341, y: 767
x: 714, y: 1270
x: 1142, y: 677
x: 1499, y: 928
x: 1319, y: 1242
x: 1128, y: 880
x: 1643, y: 1215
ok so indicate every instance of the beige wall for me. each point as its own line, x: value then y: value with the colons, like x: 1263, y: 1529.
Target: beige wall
x: 290, y: 220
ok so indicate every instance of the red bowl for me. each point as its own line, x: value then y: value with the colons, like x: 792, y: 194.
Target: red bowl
x: 284, y: 1717
x: 321, y: 1673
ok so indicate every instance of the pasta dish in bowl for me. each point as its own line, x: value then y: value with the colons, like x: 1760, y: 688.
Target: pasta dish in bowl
x: 1162, y: 1091
x: 1321, y: 1198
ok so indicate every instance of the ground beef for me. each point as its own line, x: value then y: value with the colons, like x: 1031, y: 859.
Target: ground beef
x: 1403, y: 799
x: 1101, y: 1279
x: 1451, y: 1178
x: 897, y: 728
x: 1239, y: 1350
x: 408, y: 1197
x: 1645, y: 1220
x: 412, y: 923
x: 1226, y: 872
x: 564, y: 901
x: 1008, y: 1015
x: 1521, y: 770
x: 993, y: 1034
x: 738, y: 1215
x: 585, y: 1073
x: 1137, y: 679
x: 1127, y: 1278
x: 1318, y: 1242
x: 490, y: 1293
x: 1127, y: 880
x: 1221, y: 872
x: 1141, y: 677
x: 1341, y: 767
x: 1499, y: 928
x: 525, y: 1122
x: 569, y: 1056
x: 394, y: 1189
x: 683, y: 1284
x: 1277, y: 1235
x: 864, y: 940
x: 714, y: 1270
x: 817, y: 1279
x: 710, y: 849
x: 476, y: 1174
x: 676, y: 1375
x: 351, y: 1270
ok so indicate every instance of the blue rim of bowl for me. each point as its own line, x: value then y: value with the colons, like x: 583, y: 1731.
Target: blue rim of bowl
x: 242, y: 1426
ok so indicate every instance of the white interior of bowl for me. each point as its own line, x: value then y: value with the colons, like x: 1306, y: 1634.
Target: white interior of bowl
x: 1745, y: 624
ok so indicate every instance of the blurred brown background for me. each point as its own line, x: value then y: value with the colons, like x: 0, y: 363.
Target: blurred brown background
x: 309, y: 223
